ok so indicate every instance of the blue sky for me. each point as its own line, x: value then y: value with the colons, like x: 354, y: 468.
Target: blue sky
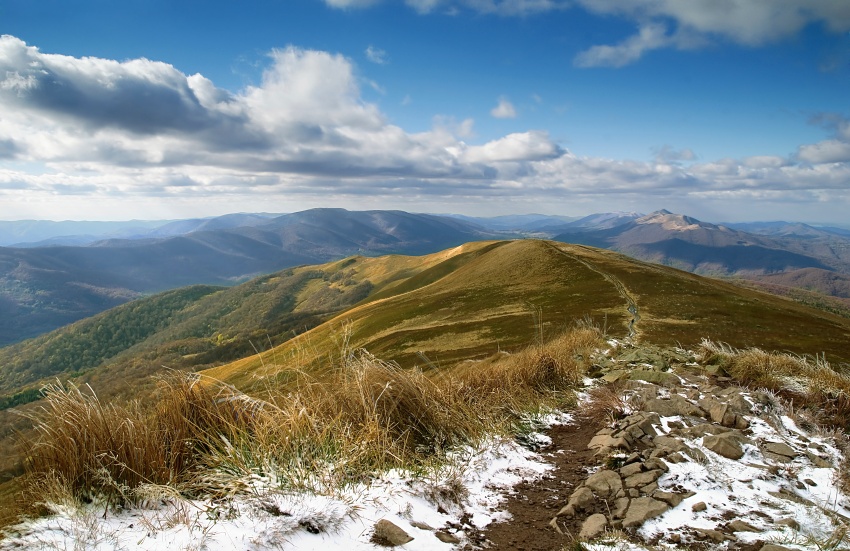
x: 727, y: 111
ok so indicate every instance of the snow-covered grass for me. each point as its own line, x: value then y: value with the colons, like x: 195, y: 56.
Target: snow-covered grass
x: 202, y: 458
x: 463, y: 490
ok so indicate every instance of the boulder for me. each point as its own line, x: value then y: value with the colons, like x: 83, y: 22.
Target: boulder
x: 675, y: 405
x: 593, y: 526
x: 631, y: 469
x: 642, y: 509
x: 774, y: 547
x: 603, y: 441
x: 780, y: 448
x: 621, y: 505
x: 388, y: 534
x: 641, y: 479
x: 582, y: 498
x: 445, y: 537
x: 699, y: 507
x: 604, y: 483
x: 739, y: 525
x: 727, y: 444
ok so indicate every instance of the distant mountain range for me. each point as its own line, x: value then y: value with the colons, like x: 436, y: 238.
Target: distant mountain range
x: 42, y: 288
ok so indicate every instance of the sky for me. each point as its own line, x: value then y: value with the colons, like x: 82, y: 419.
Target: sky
x: 732, y: 110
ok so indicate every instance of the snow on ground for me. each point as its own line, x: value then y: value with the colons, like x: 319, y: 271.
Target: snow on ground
x: 755, y: 489
x: 468, y: 490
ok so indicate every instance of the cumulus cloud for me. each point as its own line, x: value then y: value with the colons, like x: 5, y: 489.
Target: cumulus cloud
x: 835, y: 150
x: 305, y: 131
x: 749, y: 22
x: 503, y: 110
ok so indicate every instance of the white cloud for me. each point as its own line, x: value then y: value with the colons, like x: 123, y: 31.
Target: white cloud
x: 649, y: 37
x: 137, y: 130
x: 504, y: 110
x: 750, y: 22
x: 377, y: 55
x: 827, y: 151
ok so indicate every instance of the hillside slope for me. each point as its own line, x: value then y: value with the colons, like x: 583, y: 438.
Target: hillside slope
x: 47, y: 287
x: 494, y: 298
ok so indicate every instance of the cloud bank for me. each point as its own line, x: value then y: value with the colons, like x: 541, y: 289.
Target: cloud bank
x: 142, y: 130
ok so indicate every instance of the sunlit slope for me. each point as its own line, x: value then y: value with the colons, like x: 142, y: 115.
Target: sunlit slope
x: 483, y: 300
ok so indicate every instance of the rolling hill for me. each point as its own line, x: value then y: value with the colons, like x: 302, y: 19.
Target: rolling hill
x: 433, y: 312
x: 496, y: 296
x: 46, y: 287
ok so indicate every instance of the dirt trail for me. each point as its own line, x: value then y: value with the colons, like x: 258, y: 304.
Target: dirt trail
x: 533, y: 504
x: 631, y: 303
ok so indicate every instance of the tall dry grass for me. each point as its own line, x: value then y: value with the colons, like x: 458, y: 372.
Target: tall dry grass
x: 203, y: 437
x: 810, y: 383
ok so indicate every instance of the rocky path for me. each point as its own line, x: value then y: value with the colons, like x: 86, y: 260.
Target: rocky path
x: 691, y: 461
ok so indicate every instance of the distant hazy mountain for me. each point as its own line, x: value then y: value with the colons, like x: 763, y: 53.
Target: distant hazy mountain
x: 46, y: 287
x: 693, y: 245
x: 45, y: 233
x: 517, y: 222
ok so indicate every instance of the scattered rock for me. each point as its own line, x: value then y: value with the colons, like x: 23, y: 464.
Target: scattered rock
x: 781, y: 449
x: 593, y: 527
x: 582, y: 498
x: 789, y: 522
x: 699, y: 507
x: 421, y: 525
x: 621, y: 505
x: 388, y: 534
x: 727, y: 444
x: 445, y: 537
x: 641, y: 479
x: 642, y: 509
x: 604, y: 483
x: 739, y: 525
x: 631, y: 469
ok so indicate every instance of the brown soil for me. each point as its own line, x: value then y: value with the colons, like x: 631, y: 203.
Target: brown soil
x: 533, y: 503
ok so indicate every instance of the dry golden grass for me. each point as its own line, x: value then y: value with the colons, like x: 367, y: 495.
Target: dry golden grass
x: 206, y: 438
x: 811, y: 383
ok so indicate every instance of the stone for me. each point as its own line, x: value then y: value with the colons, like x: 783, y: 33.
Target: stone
x: 657, y: 377
x: 608, y: 441
x: 445, y: 537
x: 739, y: 525
x: 621, y: 505
x: 656, y: 464
x: 714, y: 535
x: 421, y: 525
x: 641, y: 479
x: 697, y: 455
x: 780, y: 448
x: 789, y: 522
x: 669, y: 443
x: 582, y: 498
x: 604, y: 483
x: 388, y: 534
x: 818, y: 461
x: 631, y: 469
x: 699, y: 507
x: 774, y: 547
x: 567, y: 511
x: 740, y: 405
x: 649, y: 489
x: 593, y: 526
x: 642, y: 509
x: 615, y: 375
x: 673, y: 406
x: 671, y: 499
x: 727, y: 444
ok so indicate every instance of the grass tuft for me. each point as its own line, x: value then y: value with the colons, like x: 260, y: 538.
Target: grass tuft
x: 204, y: 438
